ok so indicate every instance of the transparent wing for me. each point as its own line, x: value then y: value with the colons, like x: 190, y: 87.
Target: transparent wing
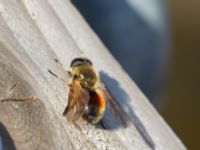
x: 115, y: 107
x: 77, y: 101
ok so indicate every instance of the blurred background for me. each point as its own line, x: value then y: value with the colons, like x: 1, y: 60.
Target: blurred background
x: 158, y: 44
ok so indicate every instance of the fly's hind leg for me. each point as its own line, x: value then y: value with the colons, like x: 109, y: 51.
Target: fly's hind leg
x: 103, y: 124
x: 77, y: 126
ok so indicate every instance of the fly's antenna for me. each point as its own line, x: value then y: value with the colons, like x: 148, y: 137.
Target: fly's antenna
x: 55, y: 75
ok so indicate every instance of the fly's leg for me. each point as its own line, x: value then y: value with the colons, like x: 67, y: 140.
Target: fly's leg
x: 65, y: 83
x: 103, y: 124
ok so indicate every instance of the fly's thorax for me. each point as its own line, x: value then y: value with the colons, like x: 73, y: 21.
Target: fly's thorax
x: 86, y: 74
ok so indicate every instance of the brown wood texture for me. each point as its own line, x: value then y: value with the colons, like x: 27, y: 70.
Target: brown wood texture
x: 33, y: 33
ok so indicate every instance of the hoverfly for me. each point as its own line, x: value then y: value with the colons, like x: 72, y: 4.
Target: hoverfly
x: 88, y: 96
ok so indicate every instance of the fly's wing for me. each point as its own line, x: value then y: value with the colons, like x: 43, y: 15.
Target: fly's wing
x: 116, y: 109
x: 77, y: 101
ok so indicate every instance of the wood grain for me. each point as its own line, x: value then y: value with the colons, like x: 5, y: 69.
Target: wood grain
x: 33, y: 34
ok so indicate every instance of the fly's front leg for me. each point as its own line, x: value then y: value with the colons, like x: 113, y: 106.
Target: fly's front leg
x: 70, y: 76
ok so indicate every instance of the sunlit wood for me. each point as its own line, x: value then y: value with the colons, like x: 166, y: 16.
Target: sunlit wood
x: 34, y: 36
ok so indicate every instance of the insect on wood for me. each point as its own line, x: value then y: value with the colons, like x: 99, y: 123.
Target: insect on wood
x: 87, y: 95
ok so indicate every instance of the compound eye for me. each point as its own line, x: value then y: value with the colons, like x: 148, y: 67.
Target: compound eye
x: 79, y: 61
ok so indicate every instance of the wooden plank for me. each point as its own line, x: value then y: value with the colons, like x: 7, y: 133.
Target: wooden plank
x: 32, y: 35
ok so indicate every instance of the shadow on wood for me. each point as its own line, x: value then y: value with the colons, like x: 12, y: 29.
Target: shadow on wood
x: 32, y: 35
x: 121, y: 95
x: 6, y: 141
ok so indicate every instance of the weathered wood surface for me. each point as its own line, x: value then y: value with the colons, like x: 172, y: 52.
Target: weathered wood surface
x: 33, y: 33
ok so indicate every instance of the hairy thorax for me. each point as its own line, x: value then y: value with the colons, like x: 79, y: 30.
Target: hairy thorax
x: 88, y: 76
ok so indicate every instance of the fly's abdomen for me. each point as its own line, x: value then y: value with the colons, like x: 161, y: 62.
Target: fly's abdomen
x: 96, y: 107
